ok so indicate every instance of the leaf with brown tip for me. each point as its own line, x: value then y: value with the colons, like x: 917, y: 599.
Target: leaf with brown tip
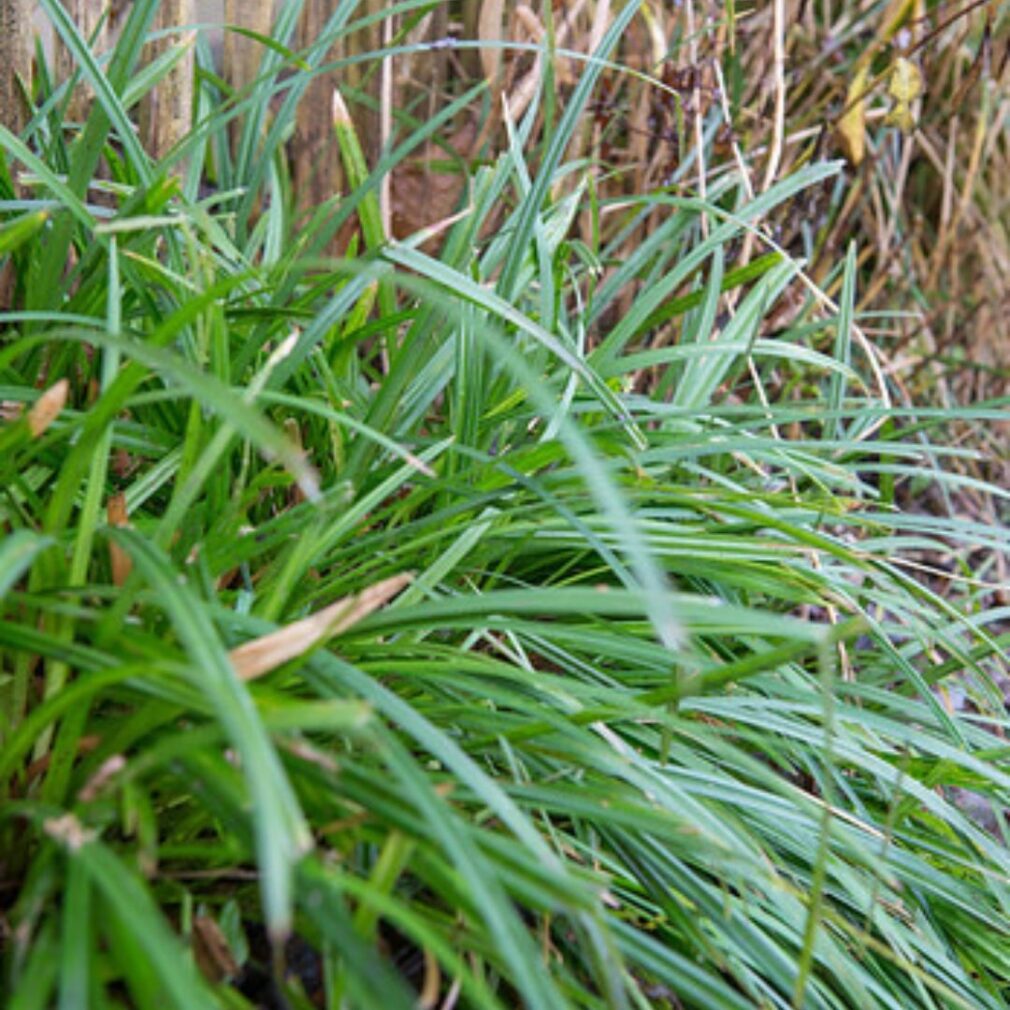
x: 261, y: 655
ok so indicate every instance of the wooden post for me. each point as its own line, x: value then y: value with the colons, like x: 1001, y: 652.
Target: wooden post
x: 15, y: 70
x: 15, y: 61
x: 87, y: 15
x: 167, y: 110
x: 242, y: 56
x: 317, y: 172
x: 366, y: 77
x: 471, y: 58
x: 315, y: 159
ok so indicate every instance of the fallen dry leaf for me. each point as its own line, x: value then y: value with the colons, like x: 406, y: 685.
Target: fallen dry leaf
x: 68, y: 830
x: 904, y: 87
x: 212, y: 952
x: 261, y: 655
x: 47, y: 407
x: 108, y: 769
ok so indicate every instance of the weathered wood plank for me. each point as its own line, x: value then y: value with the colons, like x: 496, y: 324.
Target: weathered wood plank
x: 15, y: 61
x: 167, y: 112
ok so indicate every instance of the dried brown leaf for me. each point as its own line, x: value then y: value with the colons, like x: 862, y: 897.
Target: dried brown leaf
x: 69, y: 831
x: 211, y: 951
x: 261, y: 655
x: 47, y: 407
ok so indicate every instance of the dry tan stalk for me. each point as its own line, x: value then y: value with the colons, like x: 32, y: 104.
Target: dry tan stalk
x: 943, y: 245
x: 489, y: 29
x: 727, y: 116
x: 522, y: 94
x: 586, y: 137
x: 120, y: 560
x: 261, y: 655
x: 432, y: 986
x: 779, y: 80
x: 601, y: 21
x: 469, y: 59
x: 699, y: 140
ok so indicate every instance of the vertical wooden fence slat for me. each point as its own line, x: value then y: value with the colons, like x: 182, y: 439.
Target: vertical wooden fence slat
x: 241, y: 56
x: 365, y: 77
x: 166, y: 113
x: 470, y: 58
x: 15, y: 64
x: 87, y: 15
x: 15, y: 61
x: 317, y: 172
x: 315, y: 159
x: 437, y: 61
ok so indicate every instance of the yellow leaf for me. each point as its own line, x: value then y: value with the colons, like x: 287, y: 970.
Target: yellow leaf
x: 904, y: 87
x: 901, y: 117
x: 852, y: 125
x: 906, y: 81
